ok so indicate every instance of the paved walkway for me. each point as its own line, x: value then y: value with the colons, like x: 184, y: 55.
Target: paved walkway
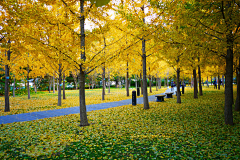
x: 72, y: 110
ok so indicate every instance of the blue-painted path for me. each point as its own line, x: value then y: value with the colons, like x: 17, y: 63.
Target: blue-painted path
x: 72, y: 110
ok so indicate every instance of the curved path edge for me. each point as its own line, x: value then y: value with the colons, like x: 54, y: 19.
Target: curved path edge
x: 71, y: 110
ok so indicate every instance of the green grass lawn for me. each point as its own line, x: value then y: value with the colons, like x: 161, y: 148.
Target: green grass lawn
x: 47, y: 101
x: 194, y: 129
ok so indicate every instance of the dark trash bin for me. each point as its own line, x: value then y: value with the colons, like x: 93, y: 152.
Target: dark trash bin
x: 134, y: 98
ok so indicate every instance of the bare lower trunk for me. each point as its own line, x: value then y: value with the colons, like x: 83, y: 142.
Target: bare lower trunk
x: 237, y: 103
x: 83, y: 109
x: 53, y: 83
x: 150, y: 84
x: 199, y: 77
x: 229, y: 79
x: 6, y: 91
x: 64, y: 94
x: 14, y: 81
x: 211, y: 80
x: 59, y: 85
x: 141, y: 83
x: 167, y: 81
x: 109, y: 84
x: 127, y: 81
x: 195, y: 83
x: 34, y: 85
x: 156, y: 84
x: 28, y: 88
x: 178, y: 86
x: 160, y: 83
x: 145, y: 93
x: 218, y: 82
x: 49, y: 84
x: 223, y: 80
x: 103, y: 83
x: 191, y: 82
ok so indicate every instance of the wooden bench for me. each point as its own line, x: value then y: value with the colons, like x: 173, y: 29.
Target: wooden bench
x: 160, y: 98
x: 169, y: 94
x: 176, y: 93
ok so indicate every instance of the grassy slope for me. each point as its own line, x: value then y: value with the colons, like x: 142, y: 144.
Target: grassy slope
x: 194, y: 129
x: 48, y: 101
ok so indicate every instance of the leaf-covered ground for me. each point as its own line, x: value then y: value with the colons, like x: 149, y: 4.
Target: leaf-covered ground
x: 48, y: 101
x: 194, y: 129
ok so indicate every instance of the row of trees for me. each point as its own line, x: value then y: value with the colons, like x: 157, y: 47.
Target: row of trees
x: 141, y: 38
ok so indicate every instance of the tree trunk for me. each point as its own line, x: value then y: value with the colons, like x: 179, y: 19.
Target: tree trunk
x: 157, y: 81
x: 49, y: 84
x: 150, y: 84
x: 64, y: 93
x: 223, y: 80
x: 229, y: 79
x: 178, y: 86
x: 136, y: 82
x: 164, y: 82
x: 211, y: 80
x: 35, y: 85
x: 167, y: 81
x: 195, y: 83
x: 103, y: 82
x: 127, y: 81
x: 57, y: 84
x: 191, y: 82
x: 60, y: 85
x: 237, y: 103
x: 83, y: 110
x: 6, y: 92
x: 160, y: 83
x: 218, y: 82
x: 53, y: 83
x: 141, y: 84
x: 14, y: 81
x: 28, y: 88
x: 145, y: 93
x: 199, y: 78
x: 109, y: 82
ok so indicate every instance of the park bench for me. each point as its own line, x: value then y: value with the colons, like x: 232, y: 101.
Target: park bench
x: 160, y: 98
x: 169, y: 94
x: 176, y: 93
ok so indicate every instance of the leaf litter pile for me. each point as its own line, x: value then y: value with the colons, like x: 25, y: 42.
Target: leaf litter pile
x: 194, y: 129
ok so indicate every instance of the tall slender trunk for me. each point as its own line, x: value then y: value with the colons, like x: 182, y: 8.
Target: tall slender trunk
x: 136, y: 82
x: 218, y: 82
x: 83, y: 110
x: 156, y: 79
x: 109, y: 82
x: 28, y: 87
x: 223, y: 80
x: 237, y: 103
x: 178, y: 86
x: 191, y: 82
x: 160, y: 81
x: 195, y: 83
x: 14, y: 81
x: 199, y: 78
x: 35, y: 85
x: 59, y: 85
x: 103, y: 82
x: 211, y: 80
x: 64, y: 93
x: 164, y: 82
x: 53, y: 83
x: 141, y: 83
x: 229, y: 79
x: 6, y: 92
x: 49, y: 84
x: 167, y: 81
x: 127, y: 81
x: 150, y: 84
